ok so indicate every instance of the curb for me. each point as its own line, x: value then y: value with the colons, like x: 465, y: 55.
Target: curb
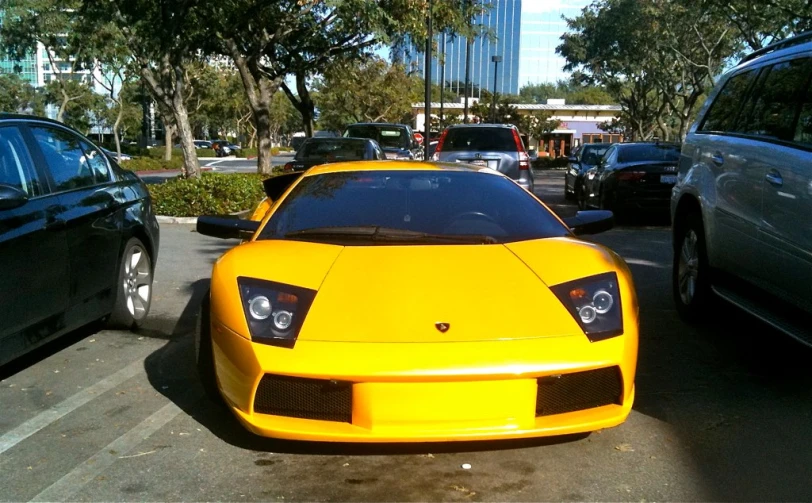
x: 168, y: 171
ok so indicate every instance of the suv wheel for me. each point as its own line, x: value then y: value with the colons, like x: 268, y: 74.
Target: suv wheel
x: 690, y: 275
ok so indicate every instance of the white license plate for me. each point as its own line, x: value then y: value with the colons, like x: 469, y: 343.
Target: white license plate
x: 668, y: 179
x: 478, y: 162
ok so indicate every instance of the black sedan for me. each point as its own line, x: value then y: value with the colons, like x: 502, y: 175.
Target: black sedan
x: 633, y: 176
x: 398, y: 141
x: 582, y: 160
x: 315, y: 151
x: 78, y: 238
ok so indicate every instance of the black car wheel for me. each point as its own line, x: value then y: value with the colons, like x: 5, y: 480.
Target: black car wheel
x: 204, y: 353
x: 580, y: 196
x: 568, y: 194
x: 133, y: 290
x: 690, y: 275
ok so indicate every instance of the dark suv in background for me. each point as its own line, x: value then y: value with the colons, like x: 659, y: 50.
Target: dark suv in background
x: 397, y: 140
x: 742, y: 205
x: 495, y: 146
x: 582, y: 160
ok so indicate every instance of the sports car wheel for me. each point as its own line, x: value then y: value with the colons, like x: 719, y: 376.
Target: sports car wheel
x: 204, y: 355
x: 133, y: 288
x: 690, y: 271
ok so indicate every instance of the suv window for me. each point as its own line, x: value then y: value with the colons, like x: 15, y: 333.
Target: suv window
x: 479, y: 139
x: 636, y: 153
x: 722, y: 114
x: 338, y: 149
x: 16, y: 167
x: 803, y: 130
x: 63, y: 153
x: 772, y: 112
x: 592, y: 154
x: 386, y: 136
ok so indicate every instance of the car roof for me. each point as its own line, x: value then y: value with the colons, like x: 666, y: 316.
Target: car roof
x: 461, y: 126
x: 386, y: 124
x: 800, y: 43
x: 338, y: 138
x: 342, y: 167
x: 16, y: 117
x: 632, y: 143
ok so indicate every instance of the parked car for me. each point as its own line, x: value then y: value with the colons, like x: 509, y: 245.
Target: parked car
x: 114, y: 155
x: 202, y: 144
x: 742, y: 205
x: 398, y: 141
x: 377, y: 303
x: 78, y: 237
x: 583, y: 158
x: 495, y: 146
x: 315, y: 151
x: 225, y: 147
x: 633, y: 176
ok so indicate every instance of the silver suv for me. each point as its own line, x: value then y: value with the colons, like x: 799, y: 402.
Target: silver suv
x: 742, y: 205
x: 495, y: 146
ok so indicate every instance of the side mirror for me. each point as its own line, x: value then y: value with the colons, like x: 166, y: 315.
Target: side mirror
x: 572, y: 159
x: 590, y: 222
x: 225, y: 227
x: 11, y: 197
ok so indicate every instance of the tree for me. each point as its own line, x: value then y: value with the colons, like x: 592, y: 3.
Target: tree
x: 18, y: 96
x: 79, y: 110
x: 367, y: 90
x: 163, y: 39
x: 757, y: 24
x: 572, y: 92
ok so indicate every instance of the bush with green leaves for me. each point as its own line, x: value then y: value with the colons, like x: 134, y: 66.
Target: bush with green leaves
x: 209, y: 194
x: 550, y: 163
x: 152, y: 164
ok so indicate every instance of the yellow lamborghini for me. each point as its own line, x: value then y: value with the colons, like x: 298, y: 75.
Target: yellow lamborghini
x: 401, y: 301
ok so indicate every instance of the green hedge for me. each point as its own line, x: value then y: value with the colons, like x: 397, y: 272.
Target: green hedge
x: 549, y: 163
x: 206, y: 152
x: 252, y: 152
x: 210, y: 194
x: 152, y: 164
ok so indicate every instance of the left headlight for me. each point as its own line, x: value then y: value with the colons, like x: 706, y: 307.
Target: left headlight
x: 594, y: 302
x: 274, y: 311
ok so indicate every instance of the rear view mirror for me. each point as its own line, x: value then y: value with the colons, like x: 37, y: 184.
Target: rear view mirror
x: 225, y: 227
x: 11, y: 197
x: 590, y: 222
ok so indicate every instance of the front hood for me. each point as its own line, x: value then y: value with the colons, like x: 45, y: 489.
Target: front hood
x: 399, y: 293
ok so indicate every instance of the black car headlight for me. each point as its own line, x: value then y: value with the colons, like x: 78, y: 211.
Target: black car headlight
x: 274, y: 311
x: 594, y: 302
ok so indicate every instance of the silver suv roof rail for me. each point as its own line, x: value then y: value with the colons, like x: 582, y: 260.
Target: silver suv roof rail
x: 781, y: 44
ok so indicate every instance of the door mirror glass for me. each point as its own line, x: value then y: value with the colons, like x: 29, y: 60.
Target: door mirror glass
x: 11, y: 197
x: 590, y: 222
x: 226, y: 228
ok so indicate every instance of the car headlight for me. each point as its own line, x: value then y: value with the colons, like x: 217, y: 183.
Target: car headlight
x: 274, y: 311
x: 594, y: 302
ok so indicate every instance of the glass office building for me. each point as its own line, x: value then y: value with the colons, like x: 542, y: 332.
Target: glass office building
x: 524, y: 33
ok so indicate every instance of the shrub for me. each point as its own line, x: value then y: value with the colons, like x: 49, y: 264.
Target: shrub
x: 206, y: 152
x: 211, y: 193
x: 285, y: 149
x: 158, y: 152
x: 152, y: 164
x: 246, y: 152
x: 550, y: 163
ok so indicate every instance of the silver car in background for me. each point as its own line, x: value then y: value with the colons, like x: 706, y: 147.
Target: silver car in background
x: 742, y: 205
x: 495, y: 146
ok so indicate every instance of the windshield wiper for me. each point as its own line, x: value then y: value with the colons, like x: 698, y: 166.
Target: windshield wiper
x: 387, y: 234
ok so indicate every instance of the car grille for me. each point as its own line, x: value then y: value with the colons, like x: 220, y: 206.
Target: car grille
x: 579, y: 391
x: 304, y: 398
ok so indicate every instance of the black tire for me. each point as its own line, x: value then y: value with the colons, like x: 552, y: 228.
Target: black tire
x: 568, y: 195
x: 133, y: 288
x: 580, y: 196
x: 690, y: 272
x: 204, y: 353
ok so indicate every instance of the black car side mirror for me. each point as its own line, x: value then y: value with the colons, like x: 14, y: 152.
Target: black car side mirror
x: 225, y: 227
x: 590, y: 222
x: 573, y: 159
x: 11, y: 197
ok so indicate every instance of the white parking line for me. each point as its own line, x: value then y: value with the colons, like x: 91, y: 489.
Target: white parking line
x: 43, y: 419
x: 211, y: 164
x: 73, y: 481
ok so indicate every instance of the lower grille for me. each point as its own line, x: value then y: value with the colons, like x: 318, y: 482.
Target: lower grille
x: 304, y: 398
x: 579, y: 391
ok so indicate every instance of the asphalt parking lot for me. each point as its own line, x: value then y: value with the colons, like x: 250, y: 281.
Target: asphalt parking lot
x: 723, y: 412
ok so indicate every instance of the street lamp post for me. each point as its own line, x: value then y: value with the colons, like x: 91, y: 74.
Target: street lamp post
x: 496, y: 60
x: 467, y: 72
x: 427, y: 104
x: 442, y: 80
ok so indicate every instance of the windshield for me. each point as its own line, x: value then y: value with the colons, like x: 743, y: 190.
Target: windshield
x: 479, y: 139
x: 387, y: 137
x: 332, y: 150
x: 638, y: 153
x: 395, y: 207
x: 593, y: 153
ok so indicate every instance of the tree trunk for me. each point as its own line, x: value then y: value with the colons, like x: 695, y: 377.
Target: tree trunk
x: 63, y: 106
x: 191, y: 168
x: 167, y: 142
x: 303, y: 102
x: 115, y: 130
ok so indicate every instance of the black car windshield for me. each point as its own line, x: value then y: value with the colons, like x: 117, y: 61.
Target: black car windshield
x: 592, y: 153
x: 333, y: 149
x: 410, y: 207
x: 479, y: 139
x: 653, y: 152
x: 386, y: 136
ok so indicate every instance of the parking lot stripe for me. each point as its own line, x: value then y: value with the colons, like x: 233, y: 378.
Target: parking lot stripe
x: 73, y: 481
x: 43, y: 419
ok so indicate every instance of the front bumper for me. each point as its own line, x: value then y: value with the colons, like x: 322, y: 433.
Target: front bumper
x: 425, y: 392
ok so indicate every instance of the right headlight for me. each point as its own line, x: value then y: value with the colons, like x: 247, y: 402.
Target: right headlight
x: 275, y: 312
x: 594, y: 302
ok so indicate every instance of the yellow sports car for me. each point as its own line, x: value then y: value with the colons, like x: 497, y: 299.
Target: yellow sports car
x: 401, y: 301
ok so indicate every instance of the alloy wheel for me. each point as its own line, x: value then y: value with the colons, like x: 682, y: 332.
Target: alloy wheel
x: 137, y: 282
x: 688, y: 271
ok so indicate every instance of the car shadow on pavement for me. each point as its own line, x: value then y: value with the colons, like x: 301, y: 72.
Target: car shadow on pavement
x: 171, y: 371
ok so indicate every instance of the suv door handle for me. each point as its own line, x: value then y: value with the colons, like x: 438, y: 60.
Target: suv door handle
x: 774, y: 177
x: 718, y: 159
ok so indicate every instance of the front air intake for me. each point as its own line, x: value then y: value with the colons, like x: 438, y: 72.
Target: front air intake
x: 579, y: 391
x: 304, y: 398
